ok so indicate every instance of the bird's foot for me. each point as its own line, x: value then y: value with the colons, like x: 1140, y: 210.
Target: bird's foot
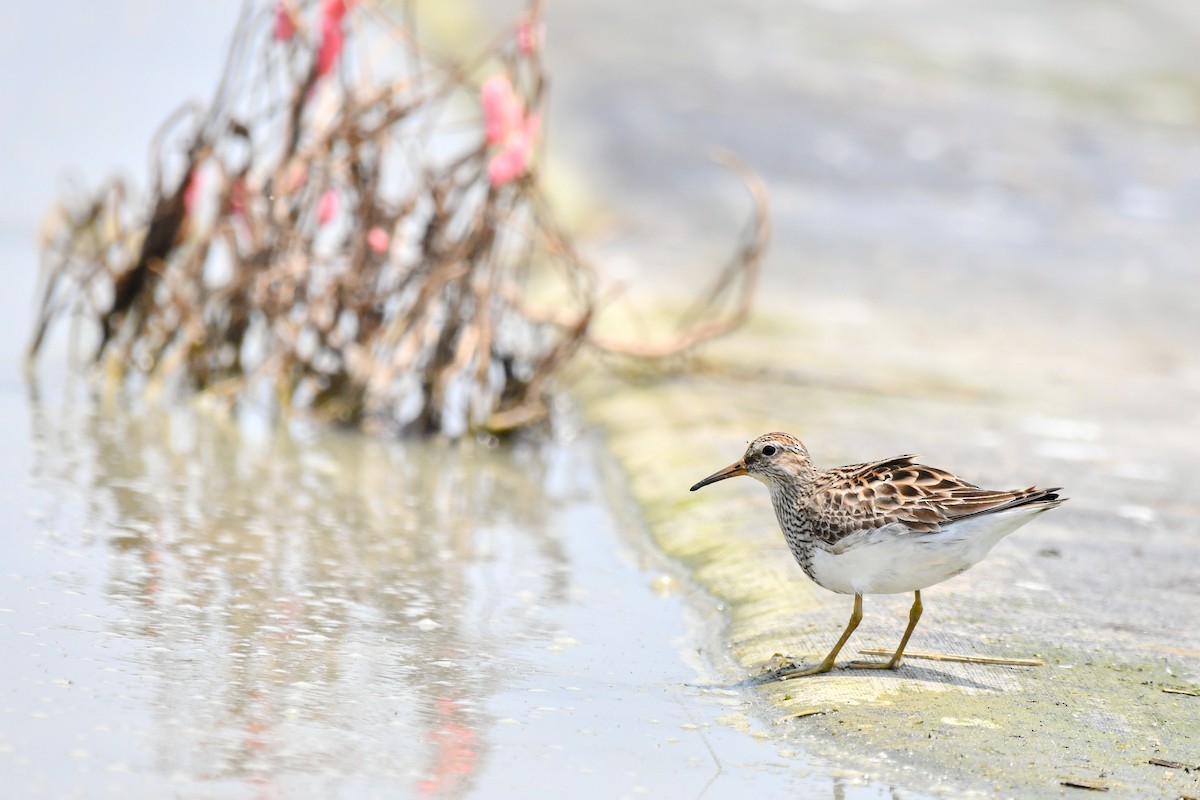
x: 891, y: 663
x: 803, y: 672
x: 782, y: 668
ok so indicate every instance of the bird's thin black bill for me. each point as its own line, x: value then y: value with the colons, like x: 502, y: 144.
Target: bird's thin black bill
x: 732, y: 471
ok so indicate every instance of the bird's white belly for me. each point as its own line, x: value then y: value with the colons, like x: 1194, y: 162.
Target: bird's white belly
x: 892, y: 560
x: 889, y: 567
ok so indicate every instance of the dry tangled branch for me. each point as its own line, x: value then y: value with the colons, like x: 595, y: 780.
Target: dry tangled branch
x: 354, y: 226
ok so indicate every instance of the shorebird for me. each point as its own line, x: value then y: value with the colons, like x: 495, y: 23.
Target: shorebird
x: 884, y: 527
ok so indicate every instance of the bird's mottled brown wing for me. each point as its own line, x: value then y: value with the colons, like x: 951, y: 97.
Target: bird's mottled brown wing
x: 866, y: 496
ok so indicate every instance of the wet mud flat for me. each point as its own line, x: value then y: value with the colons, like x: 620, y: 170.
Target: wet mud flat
x: 1101, y: 591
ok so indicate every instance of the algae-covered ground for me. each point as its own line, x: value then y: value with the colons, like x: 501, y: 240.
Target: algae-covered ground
x: 1103, y: 591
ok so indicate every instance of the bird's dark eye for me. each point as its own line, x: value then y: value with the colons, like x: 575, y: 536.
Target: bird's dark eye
x: 770, y: 450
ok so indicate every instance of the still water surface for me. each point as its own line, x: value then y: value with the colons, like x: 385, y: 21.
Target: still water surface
x: 195, y: 607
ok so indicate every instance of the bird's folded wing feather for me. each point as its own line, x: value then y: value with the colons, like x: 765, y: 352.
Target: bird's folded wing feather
x: 897, y: 490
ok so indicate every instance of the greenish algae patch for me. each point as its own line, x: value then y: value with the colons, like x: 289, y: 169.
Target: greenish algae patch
x: 933, y: 727
x: 1101, y: 720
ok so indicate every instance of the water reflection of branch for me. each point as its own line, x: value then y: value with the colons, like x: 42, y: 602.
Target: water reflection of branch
x: 296, y: 589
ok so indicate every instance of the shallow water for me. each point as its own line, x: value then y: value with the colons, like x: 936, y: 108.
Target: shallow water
x: 188, y: 604
x: 196, y: 608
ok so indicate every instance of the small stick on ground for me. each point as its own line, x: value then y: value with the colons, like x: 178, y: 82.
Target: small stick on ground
x: 993, y: 661
x: 1188, y: 692
x: 1084, y: 783
x: 808, y: 712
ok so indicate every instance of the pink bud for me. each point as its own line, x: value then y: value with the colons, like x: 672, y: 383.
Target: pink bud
x: 529, y: 36
x: 500, y: 169
x: 335, y: 9
x: 285, y: 23
x: 332, y: 37
x: 501, y: 108
x: 378, y: 239
x: 509, y: 163
x: 327, y: 206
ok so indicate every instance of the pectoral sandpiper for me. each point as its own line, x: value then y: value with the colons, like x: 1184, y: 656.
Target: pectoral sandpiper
x: 883, y: 527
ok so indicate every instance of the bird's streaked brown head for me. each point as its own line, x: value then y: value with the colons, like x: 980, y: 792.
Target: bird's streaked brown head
x: 769, y: 456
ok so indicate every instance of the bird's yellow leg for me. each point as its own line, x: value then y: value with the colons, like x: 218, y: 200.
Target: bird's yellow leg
x: 914, y: 614
x: 827, y: 663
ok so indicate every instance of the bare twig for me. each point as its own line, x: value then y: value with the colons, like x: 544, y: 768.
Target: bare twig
x: 994, y: 661
x: 1085, y: 783
x: 808, y: 712
x: 742, y: 273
